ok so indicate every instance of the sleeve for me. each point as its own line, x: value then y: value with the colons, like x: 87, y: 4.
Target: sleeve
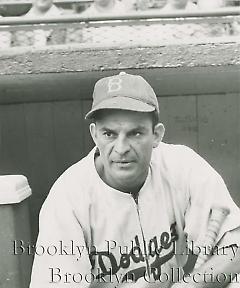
x: 208, y: 191
x: 61, y: 255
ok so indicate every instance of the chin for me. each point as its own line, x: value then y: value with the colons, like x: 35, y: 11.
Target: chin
x: 123, y: 175
x: 128, y: 179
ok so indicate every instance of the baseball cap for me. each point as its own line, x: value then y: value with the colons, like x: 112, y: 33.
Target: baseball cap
x: 123, y: 91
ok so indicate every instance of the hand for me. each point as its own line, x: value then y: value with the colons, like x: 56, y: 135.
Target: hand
x: 182, y: 285
x: 142, y: 283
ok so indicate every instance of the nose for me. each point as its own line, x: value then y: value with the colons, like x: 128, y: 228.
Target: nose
x: 121, y: 145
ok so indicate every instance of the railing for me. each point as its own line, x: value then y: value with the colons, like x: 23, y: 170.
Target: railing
x: 139, y: 28
x: 22, y: 2
x: 12, y: 8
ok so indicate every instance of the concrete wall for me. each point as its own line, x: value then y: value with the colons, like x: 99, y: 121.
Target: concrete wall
x: 44, y: 95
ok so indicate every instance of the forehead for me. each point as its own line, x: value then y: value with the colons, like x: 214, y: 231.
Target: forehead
x: 43, y: 1
x: 178, y: 1
x: 115, y: 118
x: 102, y: 1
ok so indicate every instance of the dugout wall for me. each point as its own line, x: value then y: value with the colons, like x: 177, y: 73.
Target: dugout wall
x: 45, y: 94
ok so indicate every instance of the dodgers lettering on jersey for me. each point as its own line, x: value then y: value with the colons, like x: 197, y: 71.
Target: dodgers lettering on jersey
x: 156, y: 248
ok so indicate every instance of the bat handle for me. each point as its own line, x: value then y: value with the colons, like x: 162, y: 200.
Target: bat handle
x: 216, y: 219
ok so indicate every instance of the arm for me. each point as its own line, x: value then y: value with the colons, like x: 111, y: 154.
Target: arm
x: 61, y: 251
x: 217, y: 272
x: 209, y: 275
x: 206, y: 191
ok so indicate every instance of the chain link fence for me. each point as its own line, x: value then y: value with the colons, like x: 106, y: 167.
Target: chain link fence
x: 130, y: 30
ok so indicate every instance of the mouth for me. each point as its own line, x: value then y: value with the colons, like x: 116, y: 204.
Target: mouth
x: 123, y: 163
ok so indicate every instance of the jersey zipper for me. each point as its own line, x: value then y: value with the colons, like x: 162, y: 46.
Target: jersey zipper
x: 135, y: 199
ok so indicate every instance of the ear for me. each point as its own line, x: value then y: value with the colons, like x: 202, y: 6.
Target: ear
x: 159, y: 131
x: 93, y: 132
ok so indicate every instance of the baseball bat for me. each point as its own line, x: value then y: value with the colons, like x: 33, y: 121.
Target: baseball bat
x: 215, y: 222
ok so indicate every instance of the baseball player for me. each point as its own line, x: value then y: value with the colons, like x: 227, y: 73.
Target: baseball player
x: 132, y: 211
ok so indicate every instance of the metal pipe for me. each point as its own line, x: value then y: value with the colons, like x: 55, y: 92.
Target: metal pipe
x: 23, y: 2
x: 146, y: 15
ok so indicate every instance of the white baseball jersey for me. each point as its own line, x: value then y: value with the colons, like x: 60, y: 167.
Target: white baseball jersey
x: 92, y: 235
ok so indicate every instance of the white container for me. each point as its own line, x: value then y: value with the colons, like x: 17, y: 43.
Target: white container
x: 15, y: 267
x: 14, y: 189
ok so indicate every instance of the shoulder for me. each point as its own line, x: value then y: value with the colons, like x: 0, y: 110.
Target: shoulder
x: 173, y: 153
x: 29, y: 13
x: 74, y: 184
x: 69, y: 200
x: 180, y: 161
x: 178, y: 152
x: 54, y: 11
x: 77, y: 173
x: 91, y: 11
x: 173, y: 162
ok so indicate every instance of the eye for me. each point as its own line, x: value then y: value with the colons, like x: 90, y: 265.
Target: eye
x: 108, y: 134
x: 136, y: 133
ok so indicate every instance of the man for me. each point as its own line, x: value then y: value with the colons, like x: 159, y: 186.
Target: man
x: 184, y: 30
x: 104, y: 35
x: 44, y: 8
x: 149, y: 4
x: 157, y: 3
x: 103, y: 7
x: 5, y: 36
x: 208, y: 5
x: 124, y: 215
x: 175, y: 5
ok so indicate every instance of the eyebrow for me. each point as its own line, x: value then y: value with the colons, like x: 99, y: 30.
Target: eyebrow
x: 139, y: 127
x: 106, y: 129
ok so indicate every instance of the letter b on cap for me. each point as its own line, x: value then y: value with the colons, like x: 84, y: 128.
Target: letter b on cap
x: 114, y: 84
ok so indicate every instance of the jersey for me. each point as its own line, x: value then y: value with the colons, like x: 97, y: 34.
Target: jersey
x: 53, y: 11
x: 101, y: 237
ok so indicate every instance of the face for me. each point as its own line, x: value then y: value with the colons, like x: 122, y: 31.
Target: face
x: 43, y: 5
x: 2, y: 10
x: 157, y: 3
x: 102, y: 3
x: 125, y: 140
x: 178, y: 4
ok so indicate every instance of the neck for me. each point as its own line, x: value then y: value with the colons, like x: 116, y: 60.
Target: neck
x: 109, y: 6
x: 178, y: 6
x: 126, y: 187
x: 40, y: 12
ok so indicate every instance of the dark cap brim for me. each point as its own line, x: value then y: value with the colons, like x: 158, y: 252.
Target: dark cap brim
x: 121, y: 103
